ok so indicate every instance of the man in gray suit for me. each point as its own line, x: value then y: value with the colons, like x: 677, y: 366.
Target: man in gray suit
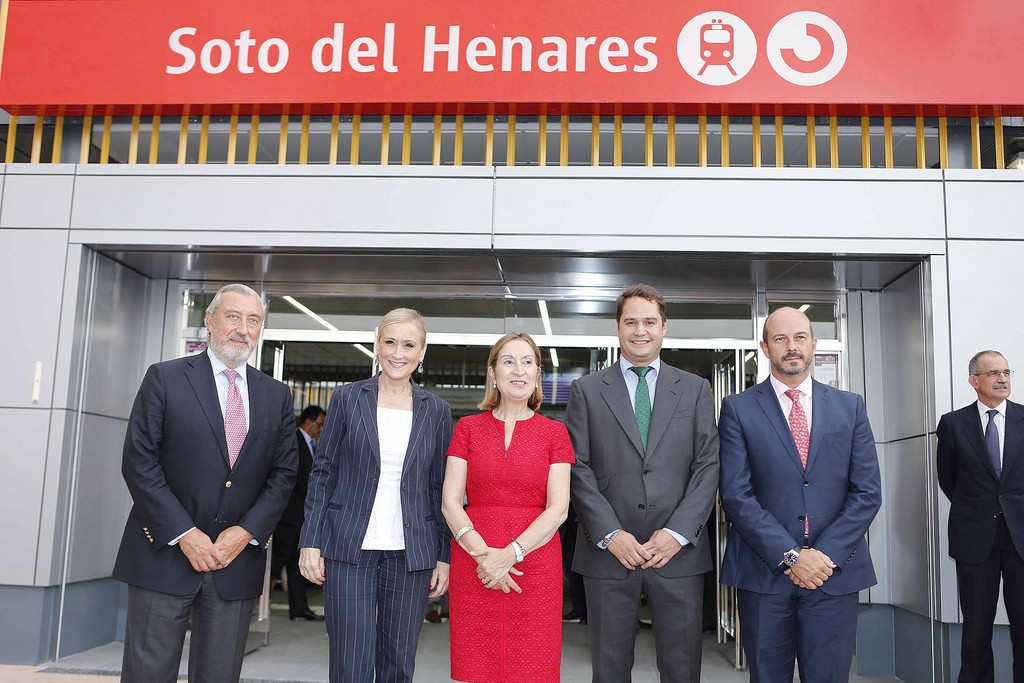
x: 643, y: 486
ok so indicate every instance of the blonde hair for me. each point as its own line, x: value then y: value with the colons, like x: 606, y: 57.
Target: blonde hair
x: 401, y: 315
x: 492, y: 397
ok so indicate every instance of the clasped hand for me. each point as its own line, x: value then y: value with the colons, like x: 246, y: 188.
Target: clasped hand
x: 812, y: 570
x: 208, y: 556
x: 495, y: 568
x: 655, y: 553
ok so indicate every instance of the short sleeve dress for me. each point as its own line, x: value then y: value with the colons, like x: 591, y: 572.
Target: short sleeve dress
x: 498, y: 637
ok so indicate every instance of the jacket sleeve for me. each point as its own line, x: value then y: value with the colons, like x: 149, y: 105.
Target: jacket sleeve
x: 324, y: 476
x: 443, y: 437
x: 863, y: 494
x: 946, y: 463
x: 593, y: 510
x: 692, y: 513
x: 262, y: 517
x: 159, y: 510
x: 759, y: 528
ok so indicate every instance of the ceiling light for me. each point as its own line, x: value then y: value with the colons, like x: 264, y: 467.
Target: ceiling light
x: 554, y: 357
x: 750, y: 354
x: 543, y: 306
x: 310, y: 313
x: 363, y: 349
x: 803, y: 309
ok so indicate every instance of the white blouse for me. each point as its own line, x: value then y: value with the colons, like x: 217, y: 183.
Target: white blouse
x: 385, y: 531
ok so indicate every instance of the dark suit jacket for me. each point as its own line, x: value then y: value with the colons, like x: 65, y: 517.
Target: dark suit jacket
x: 175, y: 463
x: 346, y: 471
x: 967, y: 478
x: 293, y: 512
x: 616, y: 484
x: 766, y: 492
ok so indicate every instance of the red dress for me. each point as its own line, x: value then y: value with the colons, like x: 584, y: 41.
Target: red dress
x: 513, y: 638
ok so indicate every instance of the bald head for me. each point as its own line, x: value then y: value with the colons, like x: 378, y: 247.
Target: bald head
x: 789, y: 343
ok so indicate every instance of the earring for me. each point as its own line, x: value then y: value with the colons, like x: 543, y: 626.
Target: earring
x: 420, y: 369
x: 495, y: 385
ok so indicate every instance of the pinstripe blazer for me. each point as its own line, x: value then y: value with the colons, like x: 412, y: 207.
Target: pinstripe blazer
x: 346, y: 471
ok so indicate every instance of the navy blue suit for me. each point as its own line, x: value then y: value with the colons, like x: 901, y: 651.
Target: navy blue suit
x: 340, y: 497
x: 986, y: 532
x: 175, y: 463
x: 766, y: 493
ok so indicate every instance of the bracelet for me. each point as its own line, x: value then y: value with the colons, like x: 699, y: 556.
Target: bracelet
x: 463, y: 531
x: 517, y: 548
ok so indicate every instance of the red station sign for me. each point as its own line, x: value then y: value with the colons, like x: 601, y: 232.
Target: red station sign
x: 868, y: 56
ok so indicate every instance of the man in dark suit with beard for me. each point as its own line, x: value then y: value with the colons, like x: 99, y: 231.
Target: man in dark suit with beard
x: 979, y: 450
x: 209, y: 459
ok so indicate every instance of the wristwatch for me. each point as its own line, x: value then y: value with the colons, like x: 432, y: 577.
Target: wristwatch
x: 791, y: 556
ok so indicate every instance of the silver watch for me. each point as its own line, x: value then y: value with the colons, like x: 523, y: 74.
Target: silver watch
x: 791, y: 557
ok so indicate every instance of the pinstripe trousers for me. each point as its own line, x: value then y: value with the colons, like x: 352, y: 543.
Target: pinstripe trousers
x: 374, y: 613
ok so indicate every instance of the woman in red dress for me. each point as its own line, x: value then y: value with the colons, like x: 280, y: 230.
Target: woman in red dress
x: 512, y: 465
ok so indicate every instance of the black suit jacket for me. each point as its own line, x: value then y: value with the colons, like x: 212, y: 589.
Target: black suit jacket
x: 346, y: 472
x: 293, y: 512
x: 175, y: 462
x: 968, y: 479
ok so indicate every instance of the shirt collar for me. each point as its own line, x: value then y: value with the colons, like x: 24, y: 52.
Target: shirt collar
x: 625, y: 365
x: 309, y: 439
x: 781, y: 389
x: 983, y: 409
x: 219, y: 367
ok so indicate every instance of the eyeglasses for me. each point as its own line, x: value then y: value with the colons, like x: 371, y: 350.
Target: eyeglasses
x: 994, y: 374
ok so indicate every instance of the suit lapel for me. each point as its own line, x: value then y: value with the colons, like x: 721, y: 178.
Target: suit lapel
x: 1013, y: 440
x: 821, y: 413
x: 773, y: 411
x: 976, y: 437
x: 616, y: 395
x: 199, y: 374
x: 368, y: 415
x: 419, y: 421
x: 666, y: 398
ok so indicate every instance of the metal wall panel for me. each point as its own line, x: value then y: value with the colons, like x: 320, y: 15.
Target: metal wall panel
x: 907, y: 515
x: 31, y: 262
x: 985, y: 203
x: 22, y: 464
x: 33, y: 199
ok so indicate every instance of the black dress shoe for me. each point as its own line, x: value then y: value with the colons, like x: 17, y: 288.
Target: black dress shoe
x: 309, y: 615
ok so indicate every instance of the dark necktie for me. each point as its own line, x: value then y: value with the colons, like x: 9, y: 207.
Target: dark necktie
x: 642, y: 403
x: 992, y: 441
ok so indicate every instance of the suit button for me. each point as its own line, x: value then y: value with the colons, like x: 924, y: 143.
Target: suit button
x: 646, y: 472
x: 407, y: 525
x: 806, y: 484
x: 801, y: 518
x: 641, y: 506
x: 404, y: 487
x: 227, y: 485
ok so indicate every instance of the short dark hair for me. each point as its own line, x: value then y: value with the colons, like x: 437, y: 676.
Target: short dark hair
x: 974, y: 366
x: 644, y: 292
x: 311, y: 413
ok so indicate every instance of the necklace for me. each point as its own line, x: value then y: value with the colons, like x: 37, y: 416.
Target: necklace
x: 514, y: 418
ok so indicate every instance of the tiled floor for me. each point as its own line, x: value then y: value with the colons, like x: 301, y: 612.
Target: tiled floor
x: 297, y: 653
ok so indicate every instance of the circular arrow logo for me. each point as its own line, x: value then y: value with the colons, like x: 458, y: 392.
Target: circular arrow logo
x: 716, y: 48
x: 806, y: 48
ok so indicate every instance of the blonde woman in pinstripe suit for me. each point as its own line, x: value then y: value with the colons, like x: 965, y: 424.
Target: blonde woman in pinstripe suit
x: 374, y: 537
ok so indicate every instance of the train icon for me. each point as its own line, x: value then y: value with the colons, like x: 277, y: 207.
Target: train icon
x: 717, y: 45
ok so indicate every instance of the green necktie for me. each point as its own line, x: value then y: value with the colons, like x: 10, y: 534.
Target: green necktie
x: 642, y: 408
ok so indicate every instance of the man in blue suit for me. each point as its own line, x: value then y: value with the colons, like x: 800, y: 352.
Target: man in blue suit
x: 800, y: 484
x: 979, y: 448
x: 209, y: 459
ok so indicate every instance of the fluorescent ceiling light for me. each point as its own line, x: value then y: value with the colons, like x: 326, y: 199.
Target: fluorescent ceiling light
x: 803, y: 309
x: 750, y: 354
x: 363, y: 349
x: 543, y: 306
x: 554, y: 357
x: 310, y: 313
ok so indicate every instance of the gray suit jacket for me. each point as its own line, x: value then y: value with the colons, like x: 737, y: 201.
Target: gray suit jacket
x: 616, y: 484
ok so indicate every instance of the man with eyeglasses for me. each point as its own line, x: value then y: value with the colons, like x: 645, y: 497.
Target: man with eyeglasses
x: 978, y: 449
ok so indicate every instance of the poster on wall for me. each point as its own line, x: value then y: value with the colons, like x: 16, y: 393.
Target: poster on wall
x: 826, y: 368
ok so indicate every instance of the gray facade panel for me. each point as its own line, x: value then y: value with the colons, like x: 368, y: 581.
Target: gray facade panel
x: 28, y: 624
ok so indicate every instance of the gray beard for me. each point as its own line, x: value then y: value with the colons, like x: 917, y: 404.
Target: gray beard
x: 228, y: 355
x: 792, y: 372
